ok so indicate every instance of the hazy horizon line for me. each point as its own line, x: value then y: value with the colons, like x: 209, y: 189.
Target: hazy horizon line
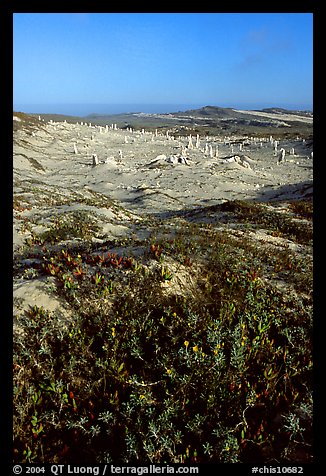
x: 84, y: 109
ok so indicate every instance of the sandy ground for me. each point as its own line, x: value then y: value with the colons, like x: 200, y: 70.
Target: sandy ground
x: 139, y: 174
x: 280, y: 116
x: 131, y: 177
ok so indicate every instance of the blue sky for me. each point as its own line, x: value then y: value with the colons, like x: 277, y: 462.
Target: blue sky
x: 222, y: 59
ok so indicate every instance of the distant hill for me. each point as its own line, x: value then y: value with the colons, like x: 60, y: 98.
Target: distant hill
x: 216, y: 112
x: 210, y: 112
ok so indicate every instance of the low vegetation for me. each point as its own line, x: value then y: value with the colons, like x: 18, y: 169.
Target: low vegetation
x: 196, y: 349
x: 26, y: 122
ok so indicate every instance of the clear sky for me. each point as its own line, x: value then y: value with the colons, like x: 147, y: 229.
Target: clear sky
x: 222, y: 59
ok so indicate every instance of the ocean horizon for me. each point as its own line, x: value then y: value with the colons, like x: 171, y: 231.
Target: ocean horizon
x: 82, y: 110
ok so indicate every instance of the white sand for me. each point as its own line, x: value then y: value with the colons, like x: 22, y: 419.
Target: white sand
x: 50, y: 178
x: 144, y: 188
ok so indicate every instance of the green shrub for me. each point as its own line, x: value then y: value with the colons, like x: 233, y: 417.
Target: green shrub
x: 278, y: 222
x: 139, y: 373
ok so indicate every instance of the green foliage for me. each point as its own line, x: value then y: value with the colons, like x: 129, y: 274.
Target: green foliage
x: 77, y: 224
x: 141, y: 373
x: 303, y: 208
x: 276, y: 221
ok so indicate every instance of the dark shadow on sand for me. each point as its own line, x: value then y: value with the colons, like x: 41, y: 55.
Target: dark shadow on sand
x: 291, y: 192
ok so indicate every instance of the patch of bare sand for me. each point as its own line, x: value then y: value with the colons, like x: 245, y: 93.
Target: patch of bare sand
x: 280, y: 116
x: 37, y: 292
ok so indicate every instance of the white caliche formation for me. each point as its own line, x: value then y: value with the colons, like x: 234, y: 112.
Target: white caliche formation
x: 162, y: 160
x: 175, y: 159
x: 75, y: 148
x: 229, y: 160
x: 190, y: 144
x: 239, y: 159
x: 160, y: 157
x: 177, y: 171
x: 292, y: 151
x: 281, y: 157
x: 244, y: 161
x: 197, y: 142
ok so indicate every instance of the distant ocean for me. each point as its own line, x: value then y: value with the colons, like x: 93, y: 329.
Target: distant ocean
x: 86, y: 109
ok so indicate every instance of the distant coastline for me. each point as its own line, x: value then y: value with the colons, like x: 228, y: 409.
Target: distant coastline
x: 87, y: 109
